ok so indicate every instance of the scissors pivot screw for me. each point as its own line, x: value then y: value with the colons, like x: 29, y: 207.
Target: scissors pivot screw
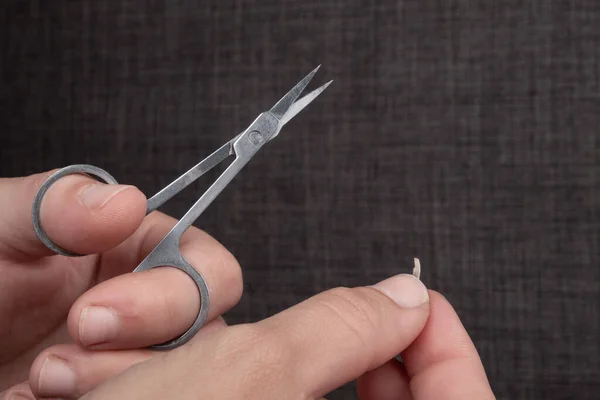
x: 256, y: 137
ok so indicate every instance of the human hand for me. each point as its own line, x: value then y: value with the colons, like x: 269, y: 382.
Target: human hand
x: 47, y: 299
x: 315, y: 347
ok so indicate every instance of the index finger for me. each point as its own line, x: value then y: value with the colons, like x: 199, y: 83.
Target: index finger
x: 443, y: 363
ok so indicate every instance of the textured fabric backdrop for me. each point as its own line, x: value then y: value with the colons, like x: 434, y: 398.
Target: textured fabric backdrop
x: 461, y: 132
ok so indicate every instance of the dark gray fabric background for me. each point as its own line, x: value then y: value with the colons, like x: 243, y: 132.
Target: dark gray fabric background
x: 461, y: 132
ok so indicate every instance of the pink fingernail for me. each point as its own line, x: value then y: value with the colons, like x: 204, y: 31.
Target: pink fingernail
x: 97, y: 325
x: 405, y: 290
x: 97, y: 195
x: 57, y: 379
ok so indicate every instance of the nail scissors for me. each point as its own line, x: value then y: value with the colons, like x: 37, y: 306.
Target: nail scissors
x: 167, y: 252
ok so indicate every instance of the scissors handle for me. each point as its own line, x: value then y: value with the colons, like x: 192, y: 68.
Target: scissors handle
x: 168, y: 254
x: 165, y: 254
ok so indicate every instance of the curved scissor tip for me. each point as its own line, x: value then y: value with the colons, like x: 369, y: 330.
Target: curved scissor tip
x: 284, y: 104
x: 302, y: 103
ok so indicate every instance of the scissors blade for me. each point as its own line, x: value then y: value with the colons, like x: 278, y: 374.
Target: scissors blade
x: 283, y: 105
x: 302, y: 103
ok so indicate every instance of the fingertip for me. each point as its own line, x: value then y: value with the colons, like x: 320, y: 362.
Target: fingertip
x: 443, y: 337
x: 387, y: 382
x: 92, y: 320
x: 69, y: 371
x: 36, y: 371
x: 444, y: 353
x: 134, y: 310
x: 439, y: 297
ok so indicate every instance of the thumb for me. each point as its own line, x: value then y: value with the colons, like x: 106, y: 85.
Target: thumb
x: 336, y: 336
x: 78, y: 213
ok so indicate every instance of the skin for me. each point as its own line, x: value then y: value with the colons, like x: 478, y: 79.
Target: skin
x: 304, y: 352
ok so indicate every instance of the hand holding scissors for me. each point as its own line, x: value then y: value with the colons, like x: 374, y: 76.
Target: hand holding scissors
x: 167, y: 253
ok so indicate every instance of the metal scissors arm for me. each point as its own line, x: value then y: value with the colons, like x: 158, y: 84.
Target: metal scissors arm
x: 244, y: 147
x: 172, y: 189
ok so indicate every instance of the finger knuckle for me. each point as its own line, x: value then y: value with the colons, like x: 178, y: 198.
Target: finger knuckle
x: 355, y: 309
x: 264, y: 358
x: 268, y: 349
x: 36, y: 180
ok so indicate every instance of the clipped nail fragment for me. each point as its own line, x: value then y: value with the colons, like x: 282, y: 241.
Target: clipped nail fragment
x: 417, y: 269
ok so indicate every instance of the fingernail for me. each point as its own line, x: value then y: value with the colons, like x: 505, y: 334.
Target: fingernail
x: 405, y: 290
x: 56, y: 378
x: 97, y: 195
x: 97, y: 325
